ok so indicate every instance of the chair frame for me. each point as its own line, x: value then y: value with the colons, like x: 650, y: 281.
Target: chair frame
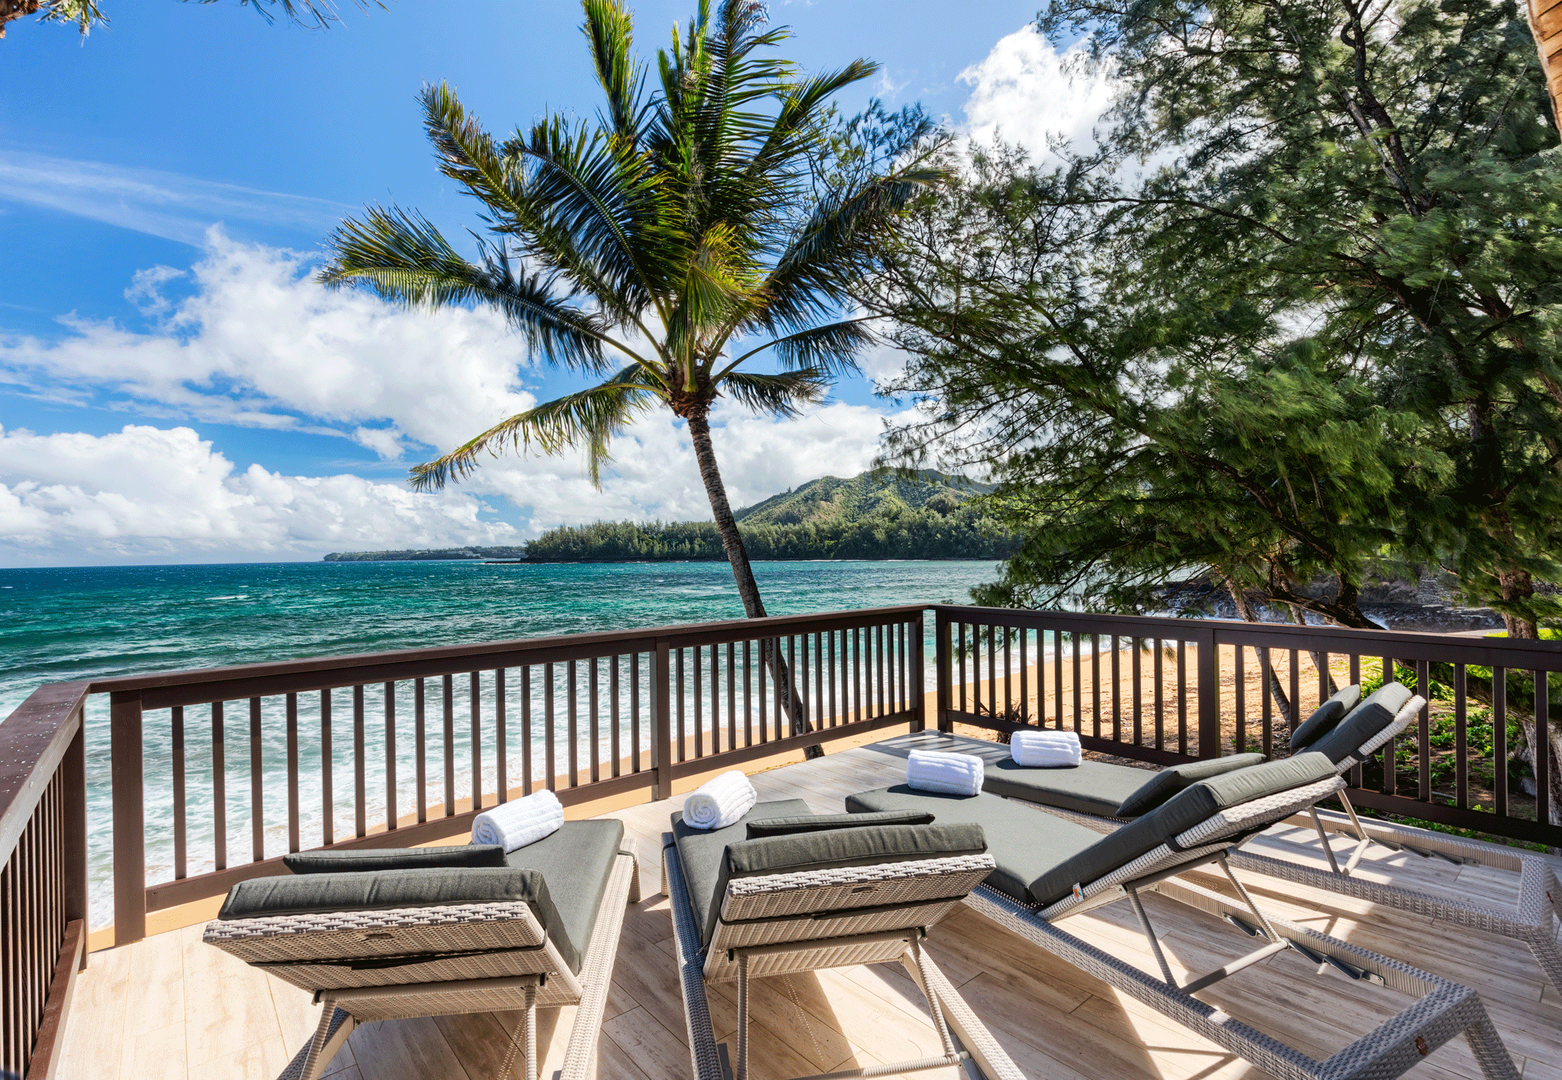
x: 745, y: 951
x: 480, y: 941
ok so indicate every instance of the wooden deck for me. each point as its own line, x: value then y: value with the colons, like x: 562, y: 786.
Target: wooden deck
x: 171, y: 1007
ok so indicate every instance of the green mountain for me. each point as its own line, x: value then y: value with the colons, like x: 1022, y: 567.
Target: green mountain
x: 876, y: 515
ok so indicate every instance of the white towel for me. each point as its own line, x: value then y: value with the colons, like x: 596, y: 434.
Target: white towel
x: 951, y: 774
x: 719, y: 801
x: 520, y: 821
x: 1044, y: 749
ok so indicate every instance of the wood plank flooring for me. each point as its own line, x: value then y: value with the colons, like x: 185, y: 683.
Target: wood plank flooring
x: 172, y: 1007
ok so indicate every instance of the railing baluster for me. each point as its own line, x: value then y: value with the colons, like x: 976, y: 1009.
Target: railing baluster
x: 1073, y: 644
x: 1266, y: 672
x: 748, y: 697
x: 1135, y: 674
x: 327, y: 806
x: 219, y: 788
x: 1390, y: 751
x: 699, y: 711
x: 572, y: 711
x: 1499, y: 741
x: 634, y: 709
x: 390, y: 757
x: 614, y: 710
x: 292, y: 778
x: 1160, y: 702
x: 780, y: 685
x: 1542, y: 753
x: 1295, y: 719
x: 549, y: 758
x: 526, y: 729
x: 1095, y: 685
x: 420, y: 736
x: 501, y: 742
x: 732, y: 695
x: 450, y: 744
x: 256, y: 778
x: 1057, y: 672
x: 715, y: 699
x: 594, y: 703
x: 360, y: 814
x: 475, y: 718
x: 1461, y: 745
x: 176, y: 720
x: 1424, y: 688
x: 1182, y: 696
x: 1239, y: 738
x: 821, y: 720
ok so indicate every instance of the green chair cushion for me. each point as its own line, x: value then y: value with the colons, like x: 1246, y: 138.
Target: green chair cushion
x: 1023, y: 841
x: 703, y: 853
x: 1325, y: 717
x: 350, y: 860
x: 1169, y: 781
x: 1091, y: 787
x: 821, y: 822
x: 1362, y: 723
x: 576, y: 860
x: 833, y: 849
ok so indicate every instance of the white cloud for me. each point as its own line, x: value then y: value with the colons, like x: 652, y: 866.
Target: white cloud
x: 170, y: 205
x: 1028, y: 93
x: 150, y: 494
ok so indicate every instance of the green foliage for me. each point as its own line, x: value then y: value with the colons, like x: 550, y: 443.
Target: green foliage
x: 867, y: 517
x: 711, y: 216
x: 1318, y: 342
x: 85, y: 14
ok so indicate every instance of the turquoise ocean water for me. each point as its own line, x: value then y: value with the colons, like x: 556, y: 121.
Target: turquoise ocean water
x: 72, y: 623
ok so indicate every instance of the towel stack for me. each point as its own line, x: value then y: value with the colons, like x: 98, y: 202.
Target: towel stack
x: 520, y: 821
x: 720, y: 801
x: 948, y: 774
x: 1044, y: 749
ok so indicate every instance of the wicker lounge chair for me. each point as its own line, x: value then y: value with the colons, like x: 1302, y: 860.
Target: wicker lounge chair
x: 381, y: 935
x: 1102, y: 790
x: 784, y: 890
x: 1049, y: 868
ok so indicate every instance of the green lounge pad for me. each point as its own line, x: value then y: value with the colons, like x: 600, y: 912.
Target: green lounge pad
x: 1362, y: 723
x: 1042, y: 857
x: 1169, y: 781
x: 1023, y: 841
x: 576, y: 860
x: 353, y: 860
x: 821, y: 822
x: 703, y: 853
x: 1091, y: 787
x: 377, y: 890
x: 834, y: 849
x: 1325, y: 717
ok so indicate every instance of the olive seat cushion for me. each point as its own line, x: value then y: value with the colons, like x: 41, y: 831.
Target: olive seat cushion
x: 1041, y: 857
x: 561, y: 878
x: 786, y: 837
x: 1346, y: 738
x: 1101, y: 788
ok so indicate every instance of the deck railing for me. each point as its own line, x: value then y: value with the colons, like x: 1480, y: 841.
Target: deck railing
x: 216, y: 773
x: 1169, y: 690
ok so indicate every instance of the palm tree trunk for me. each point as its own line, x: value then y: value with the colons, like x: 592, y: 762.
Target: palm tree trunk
x: 743, y: 573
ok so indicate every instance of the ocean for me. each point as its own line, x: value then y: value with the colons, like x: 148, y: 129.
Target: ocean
x: 60, y: 624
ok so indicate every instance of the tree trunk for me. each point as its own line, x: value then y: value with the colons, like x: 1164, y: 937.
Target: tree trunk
x: 732, y: 543
x: 1271, y: 677
x: 16, y: 9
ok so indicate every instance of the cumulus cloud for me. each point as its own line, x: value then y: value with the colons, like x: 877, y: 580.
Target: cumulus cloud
x: 147, y: 493
x: 1026, y: 92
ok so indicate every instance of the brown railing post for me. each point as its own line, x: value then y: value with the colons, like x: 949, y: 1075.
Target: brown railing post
x: 1209, y: 694
x: 74, y: 828
x: 944, y: 667
x: 129, y: 817
x: 661, y: 722
x: 918, y: 686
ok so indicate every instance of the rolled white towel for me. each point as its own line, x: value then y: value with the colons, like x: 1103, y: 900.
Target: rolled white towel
x: 1044, y: 749
x: 519, y: 822
x: 951, y: 774
x: 720, y: 801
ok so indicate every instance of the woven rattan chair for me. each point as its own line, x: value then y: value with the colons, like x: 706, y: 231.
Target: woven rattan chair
x: 399, y: 960
x: 1097, y: 788
x: 1034, y: 888
x: 745, y: 909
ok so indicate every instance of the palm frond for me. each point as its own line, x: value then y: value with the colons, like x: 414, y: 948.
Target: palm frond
x: 404, y: 258
x: 609, y: 30
x: 590, y: 418
x: 779, y: 394
x: 315, y: 14
x: 831, y: 348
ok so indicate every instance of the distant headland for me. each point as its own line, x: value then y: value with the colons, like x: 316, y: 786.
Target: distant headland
x: 874, y: 515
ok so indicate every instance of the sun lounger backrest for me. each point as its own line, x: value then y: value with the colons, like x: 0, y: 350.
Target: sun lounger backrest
x: 1347, y: 740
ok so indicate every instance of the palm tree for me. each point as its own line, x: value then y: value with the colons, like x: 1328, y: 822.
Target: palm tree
x: 652, y: 244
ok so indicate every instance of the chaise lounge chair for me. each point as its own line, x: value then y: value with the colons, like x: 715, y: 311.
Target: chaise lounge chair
x: 785, y: 890
x: 1347, y: 733
x: 1049, y: 868
x: 382, y: 935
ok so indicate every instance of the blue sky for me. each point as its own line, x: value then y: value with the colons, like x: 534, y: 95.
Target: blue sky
x: 173, y: 387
